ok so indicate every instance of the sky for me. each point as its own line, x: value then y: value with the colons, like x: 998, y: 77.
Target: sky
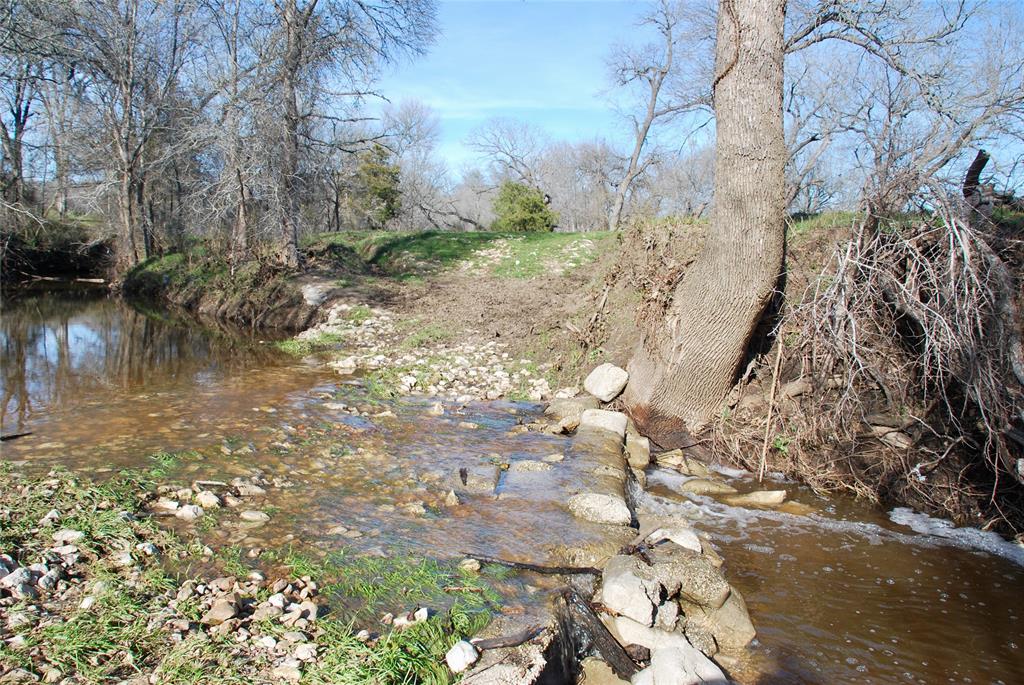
x: 538, y: 61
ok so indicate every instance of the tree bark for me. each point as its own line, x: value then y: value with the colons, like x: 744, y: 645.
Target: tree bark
x: 685, y: 365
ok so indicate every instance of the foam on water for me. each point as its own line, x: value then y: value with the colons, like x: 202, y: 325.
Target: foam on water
x: 738, y: 523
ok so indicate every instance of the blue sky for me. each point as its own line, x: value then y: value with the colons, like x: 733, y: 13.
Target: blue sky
x: 542, y: 62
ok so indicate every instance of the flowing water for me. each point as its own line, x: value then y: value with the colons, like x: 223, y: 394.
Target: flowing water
x: 840, y: 593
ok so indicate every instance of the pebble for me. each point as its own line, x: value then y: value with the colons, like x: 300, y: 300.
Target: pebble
x: 254, y: 516
x: 189, y: 512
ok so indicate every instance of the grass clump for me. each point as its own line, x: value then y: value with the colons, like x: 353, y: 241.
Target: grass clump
x: 307, y: 345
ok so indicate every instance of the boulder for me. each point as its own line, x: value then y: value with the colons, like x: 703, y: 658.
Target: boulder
x: 571, y: 408
x: 691, y: 577
x: 686, y: 465
x: 606, y: 382
x: 758, y: 498
x: 638, y: 451
x: 599, y: 508
x: 729, y: 624
x: 614, y: 421
x: 678, y: 534
x: 629, y: 590
x: 704, y: 486
x: 673, y: 659
x: 676, y: 667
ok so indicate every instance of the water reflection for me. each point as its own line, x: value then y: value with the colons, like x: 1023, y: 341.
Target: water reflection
x: 58, y: 351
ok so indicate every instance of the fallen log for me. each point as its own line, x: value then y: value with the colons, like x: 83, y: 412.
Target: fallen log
x: 513, y: 640
x: 536, y: 568
x: 579, y: 613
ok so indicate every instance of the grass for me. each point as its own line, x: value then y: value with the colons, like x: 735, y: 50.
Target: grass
x: 121, y: 637
x: 301, y: 347
x: 407, y: 257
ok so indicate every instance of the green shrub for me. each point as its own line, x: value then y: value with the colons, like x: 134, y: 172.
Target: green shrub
x: 519, y: 207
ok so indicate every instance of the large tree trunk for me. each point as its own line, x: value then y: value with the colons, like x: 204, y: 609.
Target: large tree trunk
x: 685, y: 366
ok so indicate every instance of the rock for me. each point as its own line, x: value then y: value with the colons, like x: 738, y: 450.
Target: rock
x: 800, y: 386
x: 638, y: 451
x: 67, y: 536
x: 50, y: 579
x: 703, y: 486
x: 289, y: 671
x: 688, y: 466
x: 528, y: 465
x: 553, y: 458
x: 208, y: 500
x: 52, y: 675
x: 24, y: 591
x: 759, y: 498
x: 597, y: 672
x: 673, y: 659
x: 436, y: 409
x: 481, y: 478
x: 19, y: 675
x: 893, y: 438
x: 666, y: 615
x: 16, y: 577
x: 600, y: 508
x: 452, y: 499
x: 247, y: 489
x: 606, y: 382
x: 571, y: 408
x: 189, y: 512
x: 122, y: 559
x: 729, y: 624
x: 692, y: 577
x: 223, y: 609
x: 147, y: 548
x: 671, y: 666
x: 629, y: 591
x: 469, y: 566
x: 305, y: 652
x: 614, y: 421
x: 165, y: 504
x: 254, y: 516
x: 232, y: 501
x: 461, y: 656
x: 680, y: 535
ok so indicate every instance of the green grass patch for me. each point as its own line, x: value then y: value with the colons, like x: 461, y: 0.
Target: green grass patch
x: 301, y: 347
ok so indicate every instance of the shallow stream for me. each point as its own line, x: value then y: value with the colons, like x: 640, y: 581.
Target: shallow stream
x: 839, y: 592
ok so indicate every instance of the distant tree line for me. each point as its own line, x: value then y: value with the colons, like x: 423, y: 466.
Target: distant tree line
x: 249, y: 123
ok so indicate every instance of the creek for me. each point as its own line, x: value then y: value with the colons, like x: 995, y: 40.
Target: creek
x: 838, y: 591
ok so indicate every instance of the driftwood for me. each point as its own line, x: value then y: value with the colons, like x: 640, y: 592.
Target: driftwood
x: 579, y: 613
x: 513, y: 640
x: 536, y: 568
x: 13, y: 436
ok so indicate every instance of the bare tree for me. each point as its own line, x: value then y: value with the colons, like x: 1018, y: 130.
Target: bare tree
x: 350, y: 39
x: 667, y: 76
x: 513, y: 150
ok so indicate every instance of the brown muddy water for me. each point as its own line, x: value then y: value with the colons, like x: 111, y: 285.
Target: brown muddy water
x: 839, y: 593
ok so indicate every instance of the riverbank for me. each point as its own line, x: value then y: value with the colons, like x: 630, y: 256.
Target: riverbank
x: 93, y: 590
